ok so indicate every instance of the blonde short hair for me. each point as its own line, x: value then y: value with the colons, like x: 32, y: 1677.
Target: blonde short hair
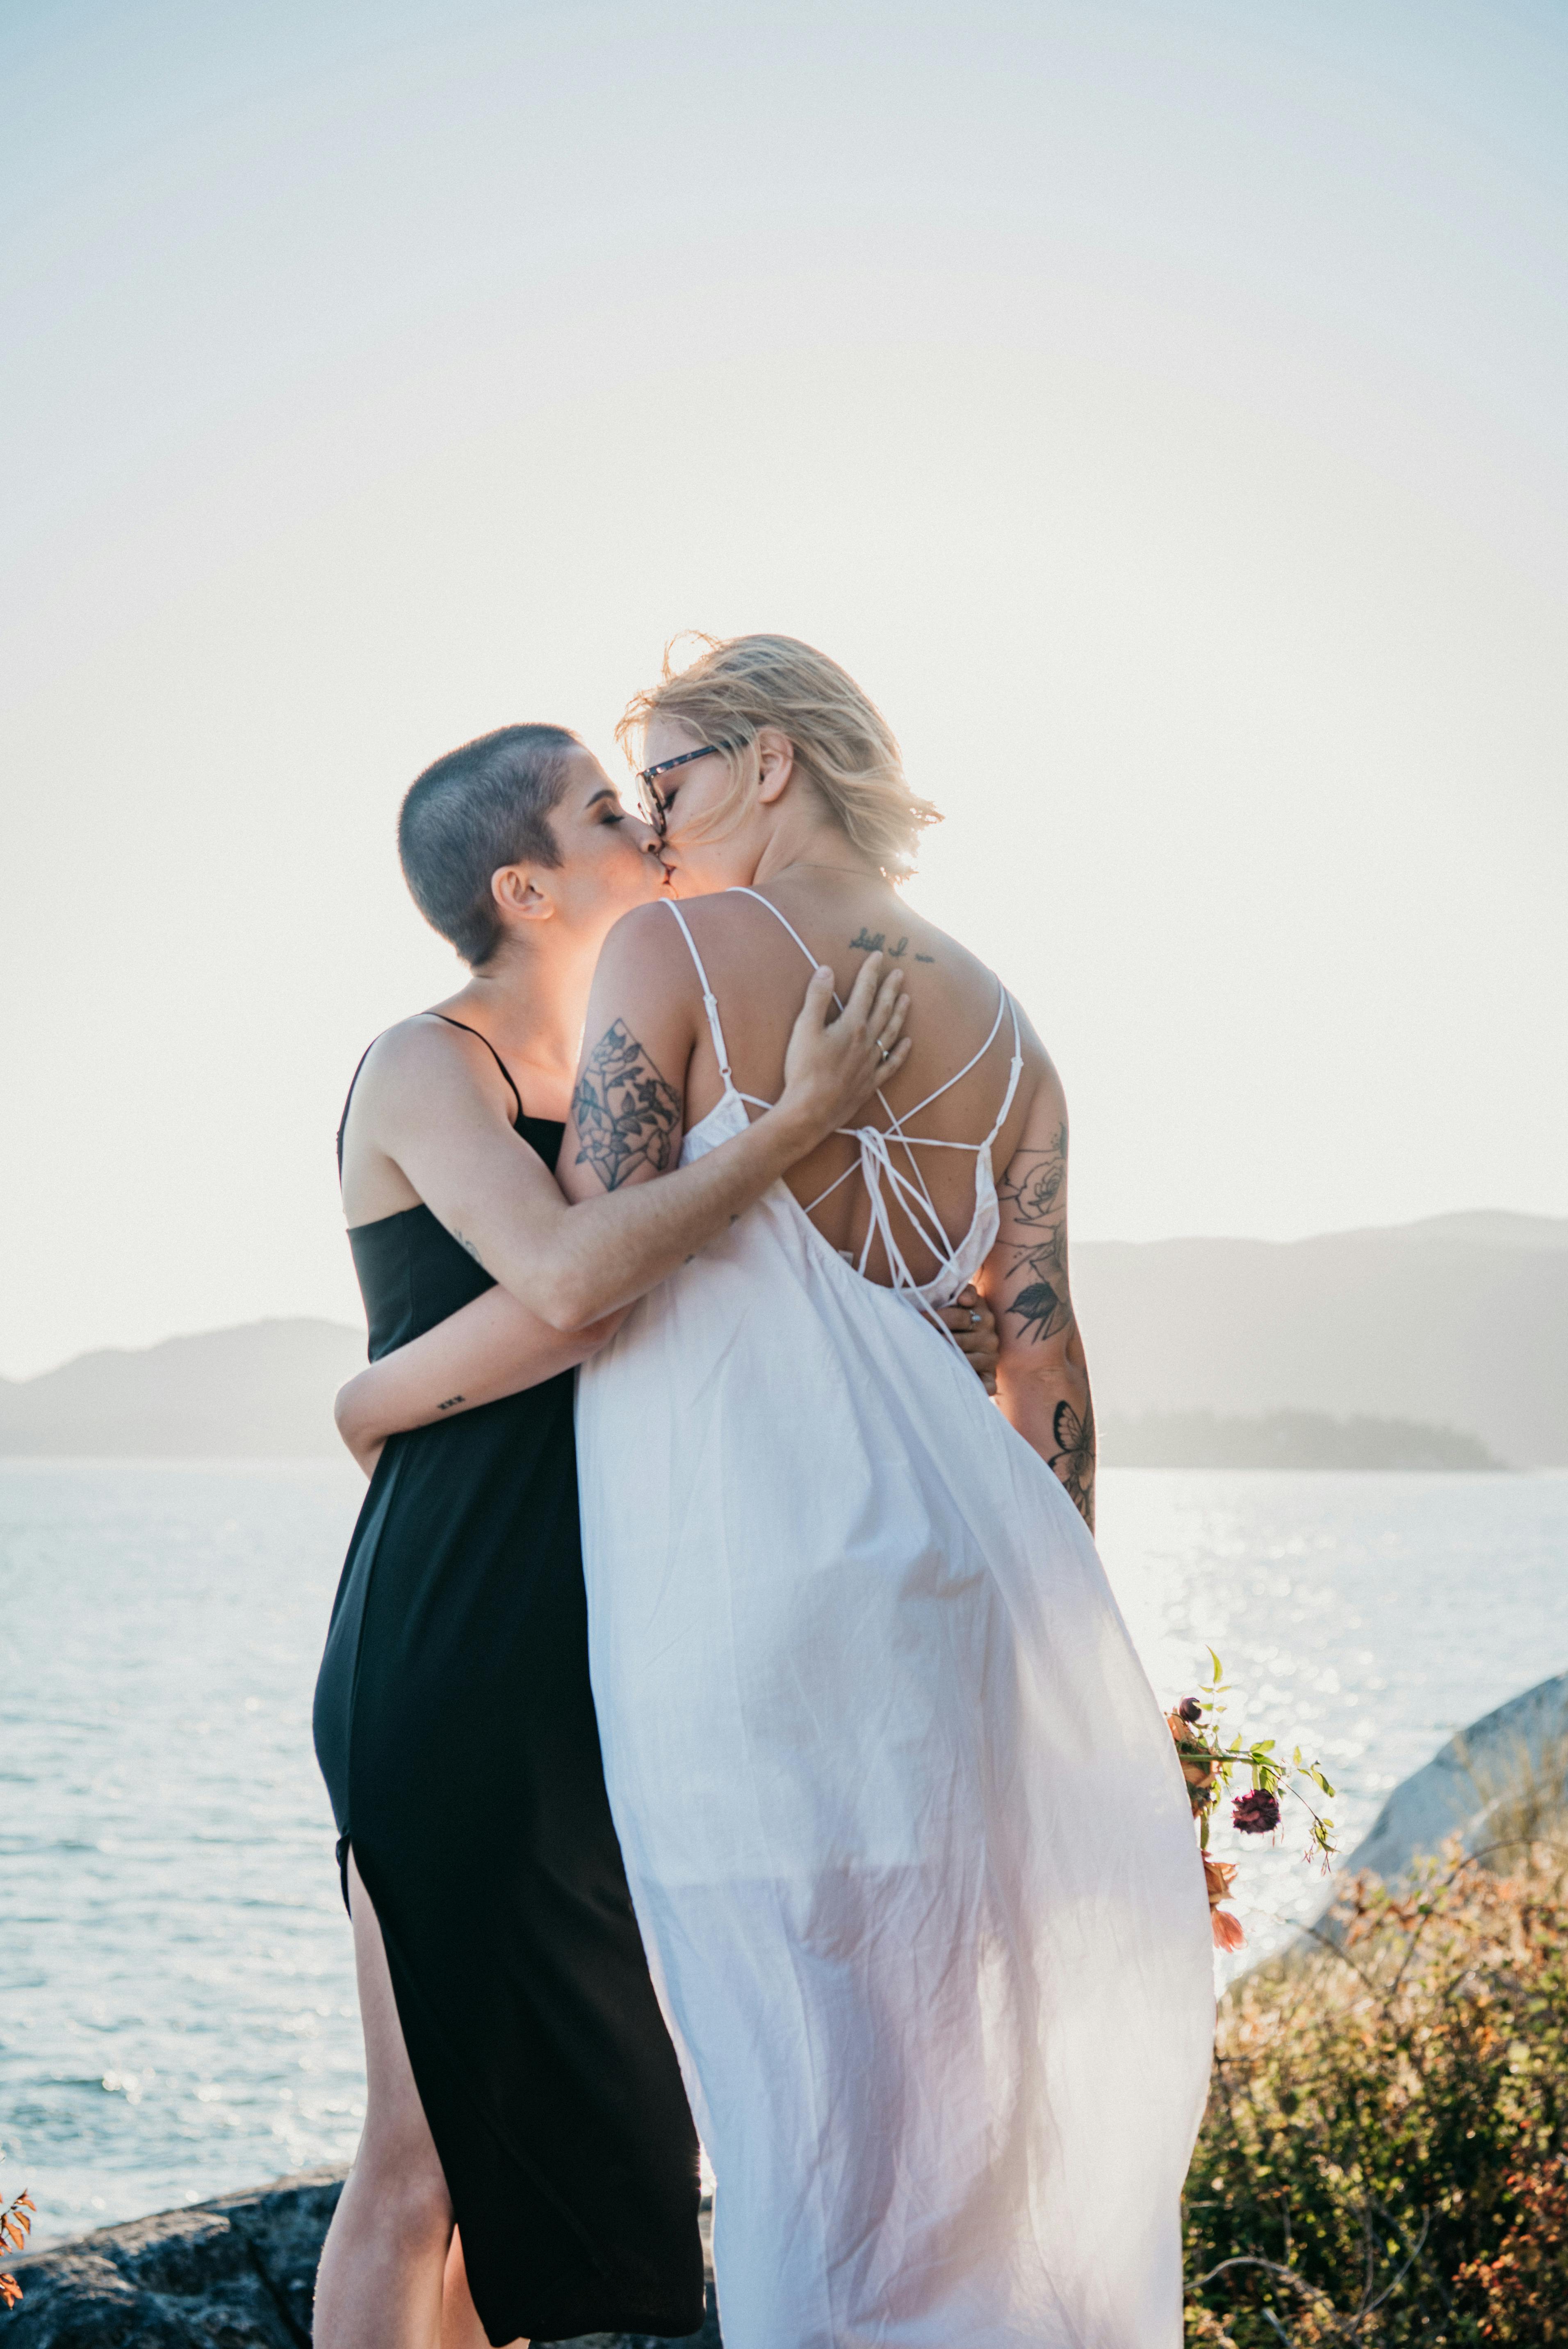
x: 843, y: 743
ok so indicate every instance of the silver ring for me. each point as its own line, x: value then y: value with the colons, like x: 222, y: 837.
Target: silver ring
x: 886, y: 1051
x: 974, y: 1318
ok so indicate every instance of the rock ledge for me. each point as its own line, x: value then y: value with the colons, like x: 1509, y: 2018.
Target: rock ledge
x: 236, y: 2273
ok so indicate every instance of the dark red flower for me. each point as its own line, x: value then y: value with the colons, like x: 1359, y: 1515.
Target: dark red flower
x: 1189, y: 1709
x: 1255, y: 1814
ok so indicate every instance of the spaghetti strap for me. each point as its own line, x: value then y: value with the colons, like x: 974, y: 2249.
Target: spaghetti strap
x: 973, y: 1062
x: 778, y: 917
x: 489, y: 1048
x: 710, y: 1000
x: 1015, y: 1072
x: 354, y: 1079
x: 348, y: 1100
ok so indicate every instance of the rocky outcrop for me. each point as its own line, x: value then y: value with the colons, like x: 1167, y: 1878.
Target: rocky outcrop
x: 236, y: 2273
x: 1461, y: 1786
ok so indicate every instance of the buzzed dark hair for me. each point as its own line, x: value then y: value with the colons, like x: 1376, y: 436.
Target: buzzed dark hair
x: 482, y: 807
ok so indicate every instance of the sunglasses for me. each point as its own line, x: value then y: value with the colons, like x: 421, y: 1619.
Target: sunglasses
x: 656, y: 807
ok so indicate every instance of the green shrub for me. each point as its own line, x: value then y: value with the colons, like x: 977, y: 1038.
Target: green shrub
x: 1382, y: 2160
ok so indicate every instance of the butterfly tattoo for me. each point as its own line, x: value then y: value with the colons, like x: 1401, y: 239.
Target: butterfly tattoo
x: 1073, y: 1459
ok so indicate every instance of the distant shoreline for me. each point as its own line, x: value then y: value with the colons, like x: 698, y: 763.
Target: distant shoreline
x: 262, y: 1463
x: 1441, y: 1345
x: 1290, y: 1439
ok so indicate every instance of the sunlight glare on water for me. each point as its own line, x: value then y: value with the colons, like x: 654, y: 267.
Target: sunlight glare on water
x: 1363, y: 1617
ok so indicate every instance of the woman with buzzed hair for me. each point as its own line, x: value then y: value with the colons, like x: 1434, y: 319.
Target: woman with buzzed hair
x: 905, y: 1827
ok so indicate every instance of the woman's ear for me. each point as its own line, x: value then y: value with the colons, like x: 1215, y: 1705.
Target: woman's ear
x: 775, y: 764
x: 517, y: 892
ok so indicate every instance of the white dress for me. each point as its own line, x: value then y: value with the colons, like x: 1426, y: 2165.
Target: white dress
x: 904, y: 1828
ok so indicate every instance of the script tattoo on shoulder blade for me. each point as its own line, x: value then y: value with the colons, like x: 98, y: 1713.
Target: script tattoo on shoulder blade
x: 867, y: 944
x: 626, y: 1115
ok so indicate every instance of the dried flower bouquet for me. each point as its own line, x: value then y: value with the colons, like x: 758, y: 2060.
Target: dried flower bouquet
x: 1209, y: 1765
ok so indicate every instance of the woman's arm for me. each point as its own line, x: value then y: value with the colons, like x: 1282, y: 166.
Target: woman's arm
x: 496, y: 1347
x: 573, y: 1265
x: 426, y: 1106
x: 1042, y: 1378
x: 491, y: 1348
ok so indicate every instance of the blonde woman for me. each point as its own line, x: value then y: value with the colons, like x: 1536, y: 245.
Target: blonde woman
x: 905, y: 1832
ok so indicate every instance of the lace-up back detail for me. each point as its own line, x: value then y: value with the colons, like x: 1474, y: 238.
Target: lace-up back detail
x: 891, y: 1187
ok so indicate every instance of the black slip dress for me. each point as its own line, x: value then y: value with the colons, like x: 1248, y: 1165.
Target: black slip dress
x: 455, y: 1729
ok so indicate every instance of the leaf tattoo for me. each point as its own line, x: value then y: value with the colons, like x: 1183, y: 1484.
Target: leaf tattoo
x: 626, y: 1115
x: 1031, y: 1192
x: 1041, y: 1311
x: 1074, y: 1457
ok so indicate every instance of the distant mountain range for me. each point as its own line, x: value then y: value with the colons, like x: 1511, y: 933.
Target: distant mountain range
x: 1285, y: 1439
x: 1203, y: 1353
x: 1458, y: 1322
x: 266, y: 1388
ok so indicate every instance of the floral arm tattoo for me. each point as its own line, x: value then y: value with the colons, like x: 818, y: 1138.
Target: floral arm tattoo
x: 1031, y: 1192
x: 626, y: 1115
x: 1041, y: 1304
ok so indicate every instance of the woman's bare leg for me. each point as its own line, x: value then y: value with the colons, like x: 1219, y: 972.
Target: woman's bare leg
x: 460, y: 2326
x: 383, y: 2266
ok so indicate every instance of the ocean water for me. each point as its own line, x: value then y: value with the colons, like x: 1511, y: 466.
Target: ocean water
x: 1364, y: 1618
x: 177, y: 2010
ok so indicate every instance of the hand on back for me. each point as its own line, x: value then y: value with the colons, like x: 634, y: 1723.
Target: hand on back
x: 833, y: 1065
x: 971, y: 1323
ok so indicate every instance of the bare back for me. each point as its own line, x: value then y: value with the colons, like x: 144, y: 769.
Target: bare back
x: 960, y: 1019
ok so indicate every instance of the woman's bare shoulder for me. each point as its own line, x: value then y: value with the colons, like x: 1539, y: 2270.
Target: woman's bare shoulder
x: 409, y: 1050
x: 647, y: 934
x: 734, y: 935
x: 420, y: 1068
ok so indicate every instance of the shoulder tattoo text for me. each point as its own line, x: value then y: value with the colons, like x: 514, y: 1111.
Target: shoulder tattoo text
x: 867, y: 944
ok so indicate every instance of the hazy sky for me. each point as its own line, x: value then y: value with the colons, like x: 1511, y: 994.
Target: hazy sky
x: 1158, y: 409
